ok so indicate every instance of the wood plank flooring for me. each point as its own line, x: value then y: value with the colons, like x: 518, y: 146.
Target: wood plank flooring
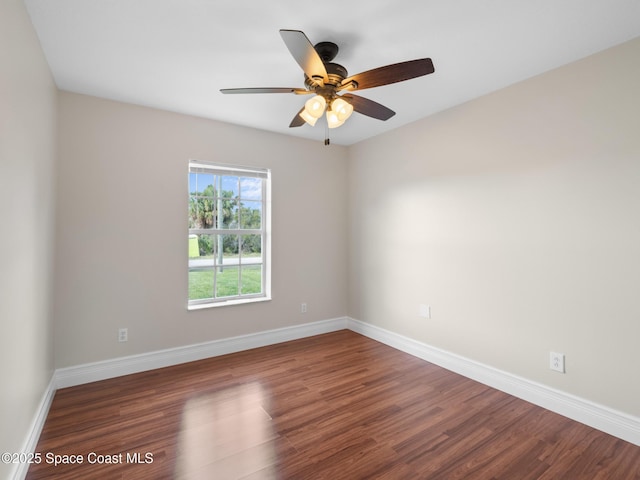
x: 335, y: 406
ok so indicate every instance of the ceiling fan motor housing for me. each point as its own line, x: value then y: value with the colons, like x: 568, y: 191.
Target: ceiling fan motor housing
x: 336, y: 73
x: 327, y: 51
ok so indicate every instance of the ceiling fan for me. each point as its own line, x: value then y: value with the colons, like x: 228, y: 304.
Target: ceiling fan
x: 326, y: 80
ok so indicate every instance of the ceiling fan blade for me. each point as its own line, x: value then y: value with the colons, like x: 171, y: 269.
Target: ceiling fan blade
x: 297, y: 121
x: 297, y: 91
x: 369, y: 107
x: 397, y: 72
x: 306, y: 56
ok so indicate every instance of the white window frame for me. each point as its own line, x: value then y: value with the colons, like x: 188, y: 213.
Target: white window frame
x: 198, y: 166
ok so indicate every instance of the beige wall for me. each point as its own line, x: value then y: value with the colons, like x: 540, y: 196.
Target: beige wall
x: 27, y: 159
x: 122, y: 229
x: 516, y: 217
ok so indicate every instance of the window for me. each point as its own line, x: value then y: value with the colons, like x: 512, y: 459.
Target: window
x: 228, y: 234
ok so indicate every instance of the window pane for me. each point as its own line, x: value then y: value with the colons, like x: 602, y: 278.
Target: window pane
x: 200, y: 283
x: 226, y: 281
x: 250, y: 188
x: 230, y: 184
x: 229, y: 247
x: 227, y: 270
x: 229, y: 213
x: 201, y: 184
x: 251, y: 249
x: 201, y: 250
x: 194, y: 249
x: 251, y: 215
x: 201, y: 200
x: 251, y: 279
x: 202, y: 212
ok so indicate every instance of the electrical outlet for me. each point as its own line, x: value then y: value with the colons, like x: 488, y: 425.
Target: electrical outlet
x: 556, y: 361
x: 303, y: 308
x: 424, y: 311
x: 123, y: 334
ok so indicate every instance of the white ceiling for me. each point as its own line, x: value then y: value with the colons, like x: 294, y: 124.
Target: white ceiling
x: 177, y: 54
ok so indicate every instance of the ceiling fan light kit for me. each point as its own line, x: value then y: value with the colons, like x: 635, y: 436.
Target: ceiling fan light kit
x: 338, y: 111
x: 326, y: 80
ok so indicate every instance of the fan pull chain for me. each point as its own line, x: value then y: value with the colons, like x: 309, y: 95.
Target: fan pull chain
x: 326, y: 134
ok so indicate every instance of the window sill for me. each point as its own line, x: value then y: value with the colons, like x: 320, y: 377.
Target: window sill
x: 227, y: 303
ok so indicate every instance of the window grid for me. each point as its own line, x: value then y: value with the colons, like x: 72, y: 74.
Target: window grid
x: 227, y: 234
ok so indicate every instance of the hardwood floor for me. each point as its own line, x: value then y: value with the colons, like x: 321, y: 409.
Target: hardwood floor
x: 335, y: 406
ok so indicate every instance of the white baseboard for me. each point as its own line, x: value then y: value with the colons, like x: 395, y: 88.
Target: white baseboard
x: 92, y: 372
x: 618, y: 424
x: 33, y: 434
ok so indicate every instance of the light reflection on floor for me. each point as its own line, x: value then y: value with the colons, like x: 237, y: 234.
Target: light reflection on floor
x: 226, y: 435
